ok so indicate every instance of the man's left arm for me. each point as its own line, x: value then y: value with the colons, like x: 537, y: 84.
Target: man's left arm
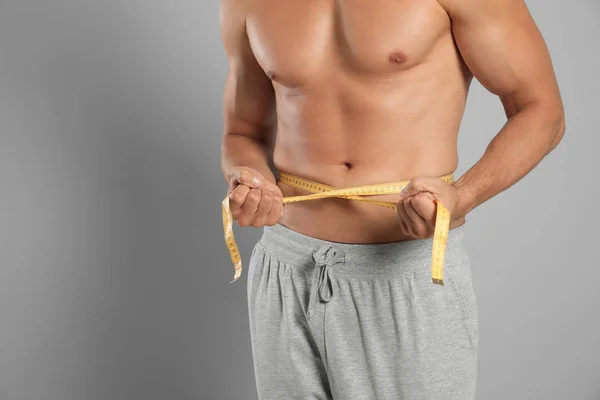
x: 502, y: 46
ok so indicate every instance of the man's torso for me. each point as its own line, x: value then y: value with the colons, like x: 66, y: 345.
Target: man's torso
x: 366, y: 92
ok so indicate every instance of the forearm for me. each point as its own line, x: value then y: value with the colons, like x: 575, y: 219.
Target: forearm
x: 527, y: 137
x: 243, y: 150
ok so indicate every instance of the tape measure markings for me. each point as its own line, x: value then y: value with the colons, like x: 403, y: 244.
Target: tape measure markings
x: 321, y: 191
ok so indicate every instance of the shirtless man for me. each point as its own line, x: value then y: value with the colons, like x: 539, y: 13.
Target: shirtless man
x: 356, y: 92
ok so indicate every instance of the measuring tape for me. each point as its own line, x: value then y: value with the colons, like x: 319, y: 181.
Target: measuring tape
x: 321, y: 191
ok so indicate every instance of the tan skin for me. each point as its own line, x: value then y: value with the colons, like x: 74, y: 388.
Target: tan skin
x: 362, y: 92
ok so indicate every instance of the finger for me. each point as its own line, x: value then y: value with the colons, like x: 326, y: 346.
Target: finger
x: 419, y: 185
x: 403, y: 227
x: 249, y: 207
x: 424, y: 206
x: 246, y: 176
x: 408, y: 221
x: 273, y: 188
x: 236, y: 198
x: 417, y: 223
x: 404, y: 219
x: 266, y: 200
x: 276, y: 211
x: 428, y: 195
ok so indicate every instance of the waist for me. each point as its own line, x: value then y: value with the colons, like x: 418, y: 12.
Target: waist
x: 359, y: 193
x: 393, y: 259
x: 340, y: 220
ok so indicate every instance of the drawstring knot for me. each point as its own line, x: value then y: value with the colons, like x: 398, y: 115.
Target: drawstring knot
x: 325, y: 257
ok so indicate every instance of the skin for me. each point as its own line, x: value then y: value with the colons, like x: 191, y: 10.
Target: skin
x: 353, y: 93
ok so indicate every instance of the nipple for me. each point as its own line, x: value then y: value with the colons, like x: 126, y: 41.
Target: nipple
x: 397, y: 58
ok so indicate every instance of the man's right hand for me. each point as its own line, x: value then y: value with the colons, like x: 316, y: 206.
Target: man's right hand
x: 253, y: 199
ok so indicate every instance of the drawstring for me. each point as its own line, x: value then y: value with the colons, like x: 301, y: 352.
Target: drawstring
x: 325, y: 257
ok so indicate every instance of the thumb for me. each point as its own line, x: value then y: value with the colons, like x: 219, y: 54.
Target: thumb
x: 246, y: 176
x: 410, y: 190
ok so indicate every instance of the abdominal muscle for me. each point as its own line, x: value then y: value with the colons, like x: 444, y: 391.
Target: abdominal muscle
x: 347, y: 135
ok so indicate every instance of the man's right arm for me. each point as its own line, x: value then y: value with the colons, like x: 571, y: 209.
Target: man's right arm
x: 249, y: 126
x: 248, y: 101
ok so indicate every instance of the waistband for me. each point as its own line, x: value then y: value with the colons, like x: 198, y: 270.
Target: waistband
x: 359, y: 259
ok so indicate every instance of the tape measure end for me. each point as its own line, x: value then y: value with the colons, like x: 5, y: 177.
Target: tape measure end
x: 437, y: 281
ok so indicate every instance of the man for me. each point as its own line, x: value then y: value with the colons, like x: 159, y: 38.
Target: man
x: 340, y: 299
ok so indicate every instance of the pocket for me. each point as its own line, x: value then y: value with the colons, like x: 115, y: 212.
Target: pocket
x: 459, y: 278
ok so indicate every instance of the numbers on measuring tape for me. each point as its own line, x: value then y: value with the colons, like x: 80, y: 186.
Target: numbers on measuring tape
x: 359, y: 193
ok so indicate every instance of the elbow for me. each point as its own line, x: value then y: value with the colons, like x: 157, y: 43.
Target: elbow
x: 559, y: 128
x: 548, y: 111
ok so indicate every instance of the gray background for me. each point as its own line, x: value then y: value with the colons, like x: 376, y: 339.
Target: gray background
x: 114, y: 278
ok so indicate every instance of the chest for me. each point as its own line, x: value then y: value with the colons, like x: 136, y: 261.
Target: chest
x: 294, y: 40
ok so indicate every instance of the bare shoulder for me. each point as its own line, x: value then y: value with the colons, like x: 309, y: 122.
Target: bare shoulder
x: 467, y: 8
x: 232, y: 20
x: 231, y: 8
x: 504, y: 49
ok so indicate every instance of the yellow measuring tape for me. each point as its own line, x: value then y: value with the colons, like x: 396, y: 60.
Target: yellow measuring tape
x: 321, y: 191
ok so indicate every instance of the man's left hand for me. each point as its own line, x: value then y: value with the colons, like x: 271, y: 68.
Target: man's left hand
x: 417, y: 208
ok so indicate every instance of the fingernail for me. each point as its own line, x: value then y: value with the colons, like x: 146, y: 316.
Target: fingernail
x: 255, y: 182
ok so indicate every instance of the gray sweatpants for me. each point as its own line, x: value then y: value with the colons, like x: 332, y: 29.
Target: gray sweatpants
x: 347, y: 321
